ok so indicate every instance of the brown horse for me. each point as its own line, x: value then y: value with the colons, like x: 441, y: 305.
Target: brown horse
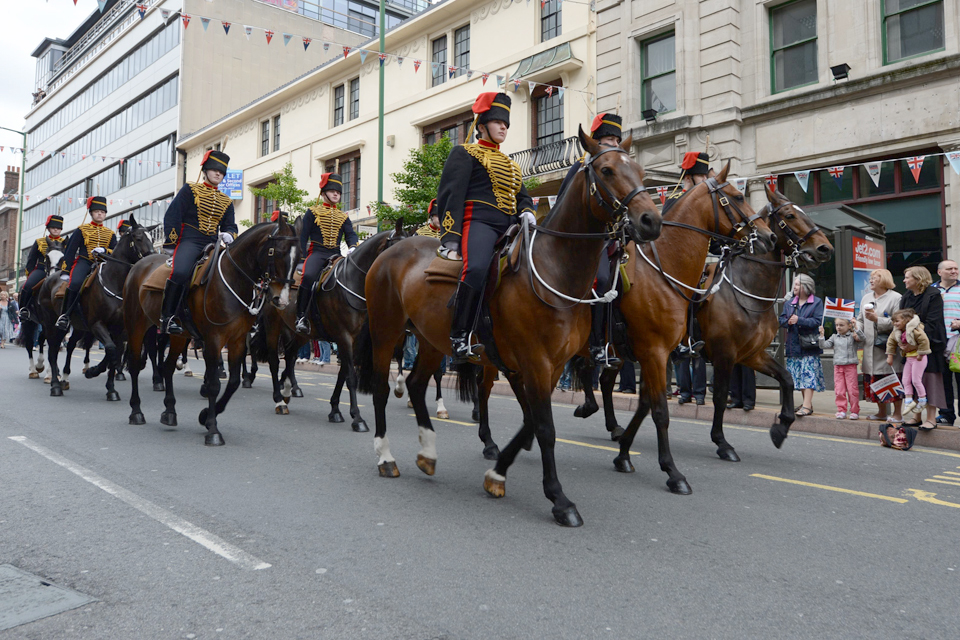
x: 222, y: 308
x: 535, y: 326
x: 739, y: 322
x: 664, y: 277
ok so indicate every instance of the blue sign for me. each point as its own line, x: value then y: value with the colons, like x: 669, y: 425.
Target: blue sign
x: 232, y: 184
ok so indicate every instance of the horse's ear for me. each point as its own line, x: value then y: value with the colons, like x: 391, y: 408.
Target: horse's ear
x: 283, y: 228
x: 589, y: 144
x: 398, y: 229
x: 722, y: 176
x: 152, y: 227
x: 627, y: 143
x: 772, y: 196
x: 133, y: 221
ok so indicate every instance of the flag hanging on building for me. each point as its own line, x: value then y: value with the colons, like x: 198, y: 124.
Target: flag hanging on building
x: 226, y: 27
x: 915, y: 163
x: 486, y: 75
x: 662, y: 191
x: 740, y: 184
x: 416, y: 65
x: 326, y: 46
x: 205, y: 22
x: 560, y: 92
x: 839, y: 308
x: 837, y: 174
x: 346, y: 51
x: 286, y: 38
x: 536, y: 201
x: 888, y: 388
x: 772, y: 182
x: 247, y: 30
x: 399, y: 61
x: 873, y: 170
x: 186, y: 20
x: 164, y: 13
x: 954, y: 158
x: 531, y: 86
x: 269, y: 35
x: 803, y: 177
x: 141, y: 9
x: 306, y: 43
x: 382, y: 57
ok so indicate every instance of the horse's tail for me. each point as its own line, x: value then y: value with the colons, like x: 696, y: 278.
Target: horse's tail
x: 363, y: 359
x: 258, y: 344
x: 467, y: 390
x: 27, y: 331
x: 576, y: 364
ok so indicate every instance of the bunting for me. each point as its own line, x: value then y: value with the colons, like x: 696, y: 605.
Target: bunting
x: 740, y: 184
x: 164, y: 13
x: 451, y: 71
x: 803, y: 177
x: 416, y: 65
x: 381, y: 57
x: 205, y: 22
x: 484, y: 76
x: 954, y: 158
x: 363, y: 56
x: 346, y: 51
x: 226, y: 27
x: 873, y: 170
x: 771, y: 182
x: 141, y: 9
x: 186, y: 21
x: 286, y: 39
x: 247, y: 30
x: 662, y: 192
x: 269, y: 35
x: 837, y: 174
x: 915, y: 163
x: 306, y: 43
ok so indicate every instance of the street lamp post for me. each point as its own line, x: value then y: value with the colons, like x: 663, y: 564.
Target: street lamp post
x: 383, y: 20
x: 23, y: 172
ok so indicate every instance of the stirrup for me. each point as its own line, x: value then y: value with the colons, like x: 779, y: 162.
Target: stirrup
x: 303, y: 326
x: 63, y: 322
x: 463, y: 351
x: 24, y: 314
x: 170, y: 326
x: 602, y: 356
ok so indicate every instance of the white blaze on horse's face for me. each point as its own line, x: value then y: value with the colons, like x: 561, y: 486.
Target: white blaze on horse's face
x: 285, y: 292
x: 55, y: 256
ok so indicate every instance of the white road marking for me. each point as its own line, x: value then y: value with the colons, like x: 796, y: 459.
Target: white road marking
x: 201, y: 536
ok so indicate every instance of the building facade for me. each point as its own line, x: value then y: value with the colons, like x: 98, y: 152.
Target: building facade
x: 436, y: 64
x: 9, y: 211
x: 782, y: 86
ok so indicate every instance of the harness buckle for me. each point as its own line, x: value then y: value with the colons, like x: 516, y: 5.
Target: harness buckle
x: 723, y: 201
x: 593, y: 188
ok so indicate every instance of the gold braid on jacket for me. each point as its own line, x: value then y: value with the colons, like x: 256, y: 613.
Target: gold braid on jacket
x: 329, y: 220
x: 211, y: 205
x: 428, y: 231
x: 505, y: 175
x: 42, y: 246
x: 95, y: 235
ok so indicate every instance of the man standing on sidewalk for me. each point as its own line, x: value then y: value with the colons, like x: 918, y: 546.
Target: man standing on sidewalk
x: 950, y: 291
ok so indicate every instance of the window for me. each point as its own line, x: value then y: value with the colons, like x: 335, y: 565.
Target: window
x: 793, y: 45
x: 349, y: 170
x: 276, y: 134
x: 338, y: 106
x: 440, y: 60
x: 262, y: 208
x: 461, y: 49
x: 549, y: 114
x: 911, y: 28
x: 354, y: 98
x: 264, y: 137
x: 550, y: 20
x: 658, y: 82
x: 454, y: 127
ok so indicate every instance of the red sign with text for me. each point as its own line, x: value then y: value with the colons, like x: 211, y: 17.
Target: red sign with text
x: 868, y: 255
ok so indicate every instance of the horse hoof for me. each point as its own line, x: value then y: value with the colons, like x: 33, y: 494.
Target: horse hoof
x: 491, y: 452
x: 247, y: 384
x: 389, y: 470
x: 778, y: 433
x: 360, y: 426
x: 213, y: 440
x: 89, y: 374
x: 158, y: 386
x: 113, y: 396
x: 168, y: 418
x: 46, y: 380
x: 41, y: 367
x: 222, y: 376
x: 34, y: 375
x: 475, y: 415
x: 283, y: 410
x: 120, y: 377
x: 137, y: 418
x: 296, y: 392
x: 188, y: 374
x: 583, y: 412
x: 335, y: 416
x: 409, y: 404
x: 528, y: 443
x: 568, y: 517
x: 85, y: 369
x: 616, y: 433
x: 679, y: 486
x: 494, y: 485
x: 398, y: 391
x: 728, y: 454
x: 286, y: 399
x: 202, y: 418
x: 65, y: 385
x: 426, y: 465
x: 623, y: 465
x: 443, y: 415
x: 56, y: 392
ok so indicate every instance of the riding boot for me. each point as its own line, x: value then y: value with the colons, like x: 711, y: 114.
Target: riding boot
x: 599, y: 352
x: 172, y: 293
x: 466, y: 304
x: 69, y: 300
x: 304, y: 295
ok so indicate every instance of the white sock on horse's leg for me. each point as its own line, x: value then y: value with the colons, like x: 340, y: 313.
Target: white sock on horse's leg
x: 381, y: 446
x: 428, y: 443
x: 442, y: 410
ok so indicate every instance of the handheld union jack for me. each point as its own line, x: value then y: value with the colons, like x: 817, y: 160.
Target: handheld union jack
x: 839, y: 308
x: 888, y: 388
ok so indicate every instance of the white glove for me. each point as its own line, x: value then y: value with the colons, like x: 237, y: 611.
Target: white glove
x: 65, y: 277
x: 350, y: 250
x: 526, y: 215
x: 99, y: 250
x: 169, y: 250
x: 226, y: 238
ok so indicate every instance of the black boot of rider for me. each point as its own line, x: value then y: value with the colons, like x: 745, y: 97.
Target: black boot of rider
x: 598, y: 338
x: 303, y: 303
x: 69, y: 299
x: 172, y: 292
x: 466, y: 304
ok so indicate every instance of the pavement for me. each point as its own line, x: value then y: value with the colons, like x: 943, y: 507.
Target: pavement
x: 822, y: 421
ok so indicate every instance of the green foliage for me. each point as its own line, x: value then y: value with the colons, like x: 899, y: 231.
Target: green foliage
x: 284, y: 193
x: 417, y: 185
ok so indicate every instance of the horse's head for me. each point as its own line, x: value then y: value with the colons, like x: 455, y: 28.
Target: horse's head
x: 797, y: 235
x: 54, y: 253
x: 135, y: 243
x: 615, y: 189
x: 733, y: 216
x: 398, y: 234
x: 277, y: 254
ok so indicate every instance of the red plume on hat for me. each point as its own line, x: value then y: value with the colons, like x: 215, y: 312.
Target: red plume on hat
x: 275, y: 216
x: 89, y: 201
x: 597, y: 122
x: 431, y: 207
x: 483, y: 102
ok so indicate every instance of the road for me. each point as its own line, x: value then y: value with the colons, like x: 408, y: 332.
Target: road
x: 826, y: 538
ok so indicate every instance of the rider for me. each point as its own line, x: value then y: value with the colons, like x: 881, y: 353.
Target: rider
x: 431, y: 228
x: 87, y: 243
x: 276, y: 216
x: 607, y: 129
x: 36, y: 266
x: 198, y: 216
x: 123, y: 227
x: 696, y: 168
x: 324, y: 226
x: 481, y: 193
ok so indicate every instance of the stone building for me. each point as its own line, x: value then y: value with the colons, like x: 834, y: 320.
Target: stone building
x: 9, y: 210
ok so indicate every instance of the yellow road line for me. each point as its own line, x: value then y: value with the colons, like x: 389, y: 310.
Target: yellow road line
x: 926, y: 496
x: 956, y: 484
x: 596, y: 446
x: 466, y: 424
x: 829, y: 488
x: 952, y: 473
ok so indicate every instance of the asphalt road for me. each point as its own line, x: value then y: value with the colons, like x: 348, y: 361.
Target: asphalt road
x: 826, y: 538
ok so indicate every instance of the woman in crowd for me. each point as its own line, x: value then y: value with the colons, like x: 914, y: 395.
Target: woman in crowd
x: 801, y: 317
x: 928, y: 304
x: 8, y: 318
x: 874, y: 321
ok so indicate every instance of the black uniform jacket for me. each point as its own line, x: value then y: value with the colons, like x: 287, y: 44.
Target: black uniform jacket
x: 198, y: 209
x: 325, y: 226
x: 35, y: 259
x: 85, y: 239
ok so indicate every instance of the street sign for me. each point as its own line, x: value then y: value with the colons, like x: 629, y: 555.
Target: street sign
x: 232, y: 184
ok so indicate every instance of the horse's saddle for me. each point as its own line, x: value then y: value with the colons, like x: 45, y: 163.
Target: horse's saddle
x: 444, y: 270
x: 157, y: 280
x: 328, y: 270
x: 62, y: 288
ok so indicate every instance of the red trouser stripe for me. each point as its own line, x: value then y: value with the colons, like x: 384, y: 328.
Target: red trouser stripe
x: 465, y: 237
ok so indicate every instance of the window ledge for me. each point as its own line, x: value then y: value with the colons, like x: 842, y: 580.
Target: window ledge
x: 356, y: 145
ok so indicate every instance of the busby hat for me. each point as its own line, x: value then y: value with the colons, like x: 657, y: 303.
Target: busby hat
x: 275, y: 216
x: 331, y: 182
x: 606, y: 124
x: 492, y: 106
x: 96, y: 202
x: 696, y: 164
x: 54, y: 221
x: 431, y: 208
x: 124, y: 225
x: 214, y: 159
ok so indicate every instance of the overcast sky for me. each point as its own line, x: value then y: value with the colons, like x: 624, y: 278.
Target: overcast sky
x: 26, y: 23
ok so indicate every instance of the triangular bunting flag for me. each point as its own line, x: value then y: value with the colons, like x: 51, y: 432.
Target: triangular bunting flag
x: 560, y: 91
x: 269, y: 35
x: 121, y: 161
x: 873, y: 170
x: 167, y: 200
x: 164, y: 13
x: 536, y: 201
x: 549, y: 90
x: 101, y: 4
x: 484, y: 76
x: 469, y: 73
x: 552, y: 200
x: 531, y: 86
x: 499, y: 81
x: 306, y: 43
x: 915, y: 163
x: 837, y: 174
x: 434, y: 67
x: 363, y: 55
x: 42, y: 152
x: 451, y: 71
x: 662, y: 192
x: 543, y: 3
x: 771, y: 182
x: 186, y: 20
x: 399, y: 61
x: 69, y: 200
x: 954, y: 158
x: 226, y: 27
x: 326, y: 46
x: 346, y: 51
x: 141, y: 9
x: 205, y: 22
x: 286, y: 38
x: 382, y: 57
x: 803, y: 177
x: 516, y: 85
x: 740, y: 184
x: 158, y: 164
x: 247, y: 30
x: 416, y: 65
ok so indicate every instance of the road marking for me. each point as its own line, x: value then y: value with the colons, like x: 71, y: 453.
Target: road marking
x: 466, y: 424
x: 829, y: 488
x: 952, y: 473
x: 956, y: 484
x: 201, y: 536
x: 926, y: 496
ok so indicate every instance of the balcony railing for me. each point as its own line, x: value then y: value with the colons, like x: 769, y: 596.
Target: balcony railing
x: 549, y: 157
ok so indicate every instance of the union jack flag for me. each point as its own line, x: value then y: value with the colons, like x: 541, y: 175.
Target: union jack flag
x: 662, y: 192
x: 839, y: 308
x: 915, y: 163
x: 837, y: 173
x: 888, y: 388
x: 772, y: 182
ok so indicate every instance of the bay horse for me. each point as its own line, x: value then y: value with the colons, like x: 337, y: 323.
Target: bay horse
x: 258, y: 266
x: 30, y: 326
x: 663, y: 276
x: 535, y: 327
x: 740, y: 321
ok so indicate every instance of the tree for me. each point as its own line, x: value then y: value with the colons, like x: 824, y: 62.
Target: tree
x: 283, y: 191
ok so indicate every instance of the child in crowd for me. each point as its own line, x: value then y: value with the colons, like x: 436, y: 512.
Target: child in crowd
x: 844, y: 345
x: 909, y: 337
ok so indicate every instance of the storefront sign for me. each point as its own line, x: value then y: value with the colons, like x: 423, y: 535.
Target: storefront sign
x: 867, y: 256
x: 232, y: 184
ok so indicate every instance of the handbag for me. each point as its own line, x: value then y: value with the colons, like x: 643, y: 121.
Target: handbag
x: 954, y: 358
x: 809, y: 341
x: 880, y: 339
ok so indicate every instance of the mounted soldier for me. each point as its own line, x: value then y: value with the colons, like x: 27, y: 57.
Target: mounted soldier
x: 696, y: 169
x: 324, y: 227
x: 431, y: 228
x: 199, y: 215
x: 36, y: 265
x: 88, y: 243
x: 481, y: 194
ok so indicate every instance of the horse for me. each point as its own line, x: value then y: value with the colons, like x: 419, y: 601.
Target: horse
x: 29, y: 327
x: 535, y: 327
x: 221, y: 308
x: 739, y: 321
x: 655, y: 307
